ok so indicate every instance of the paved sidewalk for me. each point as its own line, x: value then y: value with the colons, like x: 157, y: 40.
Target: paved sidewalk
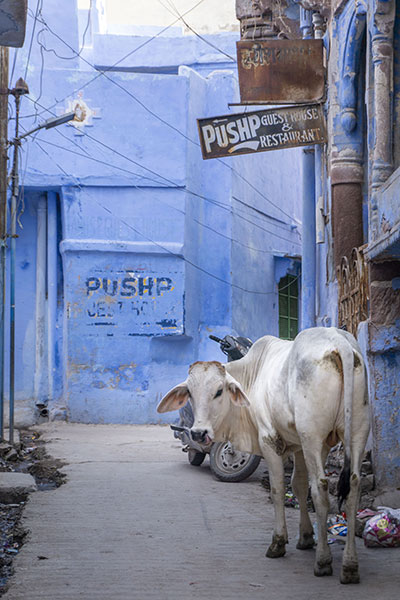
x: 136, y: 522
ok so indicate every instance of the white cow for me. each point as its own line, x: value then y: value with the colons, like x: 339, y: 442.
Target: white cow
x: 284, y: 397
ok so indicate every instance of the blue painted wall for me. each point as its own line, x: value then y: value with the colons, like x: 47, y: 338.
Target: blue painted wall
x: 352, y: 101
x: 156, y: 247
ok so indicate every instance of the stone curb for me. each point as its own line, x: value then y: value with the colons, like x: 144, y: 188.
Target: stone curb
x: 15, y: 487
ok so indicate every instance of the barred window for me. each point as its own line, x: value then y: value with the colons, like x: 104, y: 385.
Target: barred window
x: 288, y: 307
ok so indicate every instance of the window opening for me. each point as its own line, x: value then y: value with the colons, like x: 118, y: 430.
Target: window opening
x: 288, y: 307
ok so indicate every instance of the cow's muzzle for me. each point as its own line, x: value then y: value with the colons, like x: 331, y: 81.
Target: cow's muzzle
x: 201, y: 436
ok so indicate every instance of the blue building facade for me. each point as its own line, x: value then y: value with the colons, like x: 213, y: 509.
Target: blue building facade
x: 358, y: 211
x: 131, y: 249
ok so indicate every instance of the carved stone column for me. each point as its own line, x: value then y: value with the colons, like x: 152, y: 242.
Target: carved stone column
x: 260, y: 19
x: 347, y: 160
x: 382, y: 58
x: 323, y: 7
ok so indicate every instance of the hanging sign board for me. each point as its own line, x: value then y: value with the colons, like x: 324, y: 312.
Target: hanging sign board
x: 281, y: 71
x: 12, y: 22
x: 262, y: 130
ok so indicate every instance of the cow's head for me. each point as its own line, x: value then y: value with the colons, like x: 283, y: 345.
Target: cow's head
x: 212, y: 392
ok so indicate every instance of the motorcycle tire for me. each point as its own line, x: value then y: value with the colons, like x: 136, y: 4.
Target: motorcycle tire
x: 195, y: 458
x: 230, y: 465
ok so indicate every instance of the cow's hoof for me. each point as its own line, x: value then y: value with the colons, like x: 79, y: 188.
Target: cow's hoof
x: 349, y: 574
x: 323, y: 569
x: 306, y: 542
x: 277, y: 547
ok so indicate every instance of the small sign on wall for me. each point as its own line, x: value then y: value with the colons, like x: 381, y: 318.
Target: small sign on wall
x: 114, y: 300
x: 262, y: 130
x: 281, y: 71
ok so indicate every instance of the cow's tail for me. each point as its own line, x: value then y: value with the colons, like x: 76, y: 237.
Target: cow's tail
x: 346, y: 354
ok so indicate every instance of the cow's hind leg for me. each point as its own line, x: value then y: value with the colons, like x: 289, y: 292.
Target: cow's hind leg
x: 349, y: 572
x: 300, y: 489
x: 315, y: 454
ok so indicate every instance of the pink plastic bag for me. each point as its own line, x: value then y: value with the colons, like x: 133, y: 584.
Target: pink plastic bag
x: 383, y: 529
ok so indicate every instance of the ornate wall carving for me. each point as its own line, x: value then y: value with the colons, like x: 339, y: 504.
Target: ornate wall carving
x: 381, y: 26
x: 322, y: 6
x: 265, y: 18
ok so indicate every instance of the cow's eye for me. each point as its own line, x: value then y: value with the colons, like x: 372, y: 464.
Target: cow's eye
x: 218, y: 393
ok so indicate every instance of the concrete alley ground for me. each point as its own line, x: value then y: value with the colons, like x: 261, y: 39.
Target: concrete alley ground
x: 136, y: 522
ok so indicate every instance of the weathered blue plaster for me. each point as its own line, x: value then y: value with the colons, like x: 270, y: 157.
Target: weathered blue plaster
x: 384, y: 353
x: 354, y: 70
x: 350, y: 68
x: 348, y: 130
x: 286, y: 265
x: 156, y: 247
x: 387, y: 244
x: 165, y: 54
x: 396, y: 283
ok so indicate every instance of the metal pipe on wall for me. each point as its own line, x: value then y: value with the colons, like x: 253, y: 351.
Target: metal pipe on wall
x: 3, y: 213
x: 51, y: 289
x: 13, y: 235
x: 319, y: 26
x: 308, y: 266
x: 40, y: 394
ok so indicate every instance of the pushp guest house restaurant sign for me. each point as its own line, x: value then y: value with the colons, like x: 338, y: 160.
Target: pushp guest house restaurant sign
x: 262, y: 130
x: 281, y: 71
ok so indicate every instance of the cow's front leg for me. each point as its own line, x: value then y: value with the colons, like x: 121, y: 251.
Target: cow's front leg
x: 276, y: 476
x: 300, y: 489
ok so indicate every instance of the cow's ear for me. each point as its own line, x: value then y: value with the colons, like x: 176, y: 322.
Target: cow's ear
x: 174, y: 399
x: 236, y: 393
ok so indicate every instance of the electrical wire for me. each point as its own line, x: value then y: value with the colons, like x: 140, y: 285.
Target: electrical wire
x: 222, y: 162
x: 38, y: 6
x: 51, y: 50
x: 231, y: 284
x: 174, y: 185
x: 171, y: 183
x: 41, y: 46
x: 186, y: 190
x: 14, y: 63
x: 160, y: 118
x: 86, y: 28
x: 175, y: 12
x: 121, y: 59
x: 20, y: 207
x: 158, y: 175
x: 145, y: 107
x: 163, y: 248
x: 116, y: 83
x: 102, y: 162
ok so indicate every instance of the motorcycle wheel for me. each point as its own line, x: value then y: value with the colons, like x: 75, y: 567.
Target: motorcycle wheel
x: 230, y: 465
x: 195, y: 458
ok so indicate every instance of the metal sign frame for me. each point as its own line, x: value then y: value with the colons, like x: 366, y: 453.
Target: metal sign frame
x: 262, y: 130
x: 13, y: 23
x: 281, y: 71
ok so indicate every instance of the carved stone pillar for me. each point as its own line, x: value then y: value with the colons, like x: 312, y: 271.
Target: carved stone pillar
x: 323, y: 7
x: 319, y: 25
x: 347, y: 171
x: 347, y: 223
x: 260, y: 19
x: 382, y: 58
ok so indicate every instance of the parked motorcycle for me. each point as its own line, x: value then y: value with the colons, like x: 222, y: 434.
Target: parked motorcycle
x: 226, y: 463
